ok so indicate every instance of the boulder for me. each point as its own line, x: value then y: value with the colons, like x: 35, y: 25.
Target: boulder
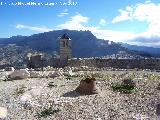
x: 3, y: 113
x: 19, y: 74
x: 88, y: 87
x: 34, y: 74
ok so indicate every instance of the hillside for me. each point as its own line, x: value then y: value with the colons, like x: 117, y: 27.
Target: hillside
x: 13, y: 55
x: 84, y: 43
x: 148, y: 50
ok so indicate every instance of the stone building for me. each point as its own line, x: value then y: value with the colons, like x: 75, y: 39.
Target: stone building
x: 35, y: 61
x: 65, y: 50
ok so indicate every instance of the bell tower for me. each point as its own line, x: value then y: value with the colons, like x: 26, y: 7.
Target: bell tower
x: 65, y: 50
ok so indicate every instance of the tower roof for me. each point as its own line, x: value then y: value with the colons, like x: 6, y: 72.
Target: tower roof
x: 65, y: 36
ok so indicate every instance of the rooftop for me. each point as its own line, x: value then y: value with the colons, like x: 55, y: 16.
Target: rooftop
x: 65, y: 36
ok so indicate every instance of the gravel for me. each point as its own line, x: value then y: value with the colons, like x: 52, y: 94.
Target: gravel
x: 26, y: 99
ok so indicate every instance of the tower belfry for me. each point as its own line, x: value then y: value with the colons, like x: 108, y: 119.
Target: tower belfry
x: 65, y: 49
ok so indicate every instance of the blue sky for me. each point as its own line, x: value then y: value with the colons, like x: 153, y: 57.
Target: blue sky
x: 130, y: 21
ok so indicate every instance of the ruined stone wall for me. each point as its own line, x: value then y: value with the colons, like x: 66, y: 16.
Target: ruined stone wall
x: 100, y: 63
x: 34, y: 62
x: 117, y: 63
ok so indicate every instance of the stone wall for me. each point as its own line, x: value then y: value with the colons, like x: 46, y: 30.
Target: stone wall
x: 35, y: 61
x: 100, y: 63
x: 117, y: 63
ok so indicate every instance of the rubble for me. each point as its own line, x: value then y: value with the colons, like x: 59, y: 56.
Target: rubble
x: 81, y: 101
x: 19, y: 74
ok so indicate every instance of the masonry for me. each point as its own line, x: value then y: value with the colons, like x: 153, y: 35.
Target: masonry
x: 66, y: 59
x: 34, y: 61
x: 116, y: 63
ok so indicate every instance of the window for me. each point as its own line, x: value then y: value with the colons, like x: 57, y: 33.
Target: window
x: 63, y: 43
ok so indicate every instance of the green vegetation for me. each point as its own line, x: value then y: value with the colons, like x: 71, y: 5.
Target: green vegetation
x: 47, y: 112
x: 126, y: 87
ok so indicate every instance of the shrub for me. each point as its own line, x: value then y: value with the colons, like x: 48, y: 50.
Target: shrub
x: 47, y: 112
x: 127, y: 86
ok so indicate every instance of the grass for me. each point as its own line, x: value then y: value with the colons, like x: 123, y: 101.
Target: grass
x: 126, y: 89
x: 47, y: 112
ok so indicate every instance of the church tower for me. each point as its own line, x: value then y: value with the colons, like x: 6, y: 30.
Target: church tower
x: 65, y: 50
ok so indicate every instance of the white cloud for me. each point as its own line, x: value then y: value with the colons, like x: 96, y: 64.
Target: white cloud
x: 124, y: 15
x: 64, y: 13
x: 149, y: 12
x: 102, y: 22
x: 78, y: 22
x: 143, y: 12
x: 38, y: 29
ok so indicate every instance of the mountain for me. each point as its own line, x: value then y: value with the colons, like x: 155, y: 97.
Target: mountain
x: 143, y: 49
x: 84, y: 43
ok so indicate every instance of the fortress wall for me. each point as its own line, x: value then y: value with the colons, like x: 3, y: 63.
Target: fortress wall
x: 100, y: 63
x: 116, y: 63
